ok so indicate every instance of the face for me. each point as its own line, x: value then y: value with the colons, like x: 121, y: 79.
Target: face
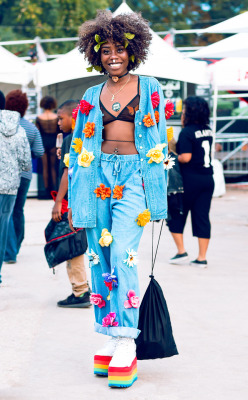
x: 64, y: 121
x: 114, y: 58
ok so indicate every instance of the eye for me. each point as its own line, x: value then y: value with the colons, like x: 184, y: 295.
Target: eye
x: 120, y: 49
x: 105, y: 51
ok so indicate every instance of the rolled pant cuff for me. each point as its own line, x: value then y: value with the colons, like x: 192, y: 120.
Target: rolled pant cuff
x: 115, y: 331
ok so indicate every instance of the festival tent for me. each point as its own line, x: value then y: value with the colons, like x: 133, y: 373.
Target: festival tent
x: 234, y: 46
x: 236, y: 24
x: 13, y: 70
x: 230, y: 74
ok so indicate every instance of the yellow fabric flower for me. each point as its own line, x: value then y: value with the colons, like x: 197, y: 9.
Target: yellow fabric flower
x: 169, y: 133
x: 106, y: 238
x: 85, y: 158
x: 66, y: 160
x: 143, y: 218
x: 78, y: 145
x: 156, y: 153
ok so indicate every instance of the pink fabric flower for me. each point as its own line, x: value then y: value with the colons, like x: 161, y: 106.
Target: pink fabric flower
x: 133, y: 301
x: 109, y: 320
x: 85, y: 107
x: 97, y: 300
x: 169, y: 109
x: 155, y: 99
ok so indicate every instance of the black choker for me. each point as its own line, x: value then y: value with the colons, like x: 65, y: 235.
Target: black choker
x: 116, y: 78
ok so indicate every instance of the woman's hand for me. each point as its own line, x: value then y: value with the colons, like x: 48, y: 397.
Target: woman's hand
x: 70, y: 219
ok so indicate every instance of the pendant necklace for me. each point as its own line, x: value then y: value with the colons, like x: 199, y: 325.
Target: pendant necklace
x: 117, y: 106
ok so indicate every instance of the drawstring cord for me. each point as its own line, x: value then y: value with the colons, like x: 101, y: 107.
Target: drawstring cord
x: 117, y: 166
x: 154, y: 258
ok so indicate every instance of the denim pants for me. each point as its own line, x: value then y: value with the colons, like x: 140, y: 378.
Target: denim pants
x: 7, y: 202
x: 118, y: 217
x: 17, y: 222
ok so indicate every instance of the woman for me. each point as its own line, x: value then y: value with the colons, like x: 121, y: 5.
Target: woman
x: 47, y: 123
x: 117, y: 179
x: 194, y: 149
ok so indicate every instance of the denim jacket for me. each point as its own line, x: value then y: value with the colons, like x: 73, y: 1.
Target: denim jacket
x: 82, y: 180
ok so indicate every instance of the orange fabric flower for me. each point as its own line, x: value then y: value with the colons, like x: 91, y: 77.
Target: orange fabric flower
x: 157, y: 116
x: 102, y: 191
x: 148, y: 121
x: 118, y: 192
x: 169, y: 133
x: 73, y: 123
x: 89, y: 129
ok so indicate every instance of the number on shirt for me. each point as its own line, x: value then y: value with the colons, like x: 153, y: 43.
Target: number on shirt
x: 206, y: 148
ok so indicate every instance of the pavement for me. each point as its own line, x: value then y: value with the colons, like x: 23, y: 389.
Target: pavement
x: 46, y: 352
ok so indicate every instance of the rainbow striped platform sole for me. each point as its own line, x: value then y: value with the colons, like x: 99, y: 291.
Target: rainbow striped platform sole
x: 101, y: 364
x: 122, y: 377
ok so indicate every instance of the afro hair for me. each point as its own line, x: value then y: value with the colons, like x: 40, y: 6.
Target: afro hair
x: 115, y: 29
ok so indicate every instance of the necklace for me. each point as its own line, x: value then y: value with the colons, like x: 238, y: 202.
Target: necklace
x: 117, y: 106
x: 115, y: 78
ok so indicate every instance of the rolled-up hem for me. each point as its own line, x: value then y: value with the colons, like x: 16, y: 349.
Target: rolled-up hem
x: 115, y: 331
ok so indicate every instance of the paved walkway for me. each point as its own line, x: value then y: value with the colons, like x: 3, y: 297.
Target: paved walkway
x: 46, y: 352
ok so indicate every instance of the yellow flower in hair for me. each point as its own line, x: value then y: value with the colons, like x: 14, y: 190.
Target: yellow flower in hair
x: 66, y: 160
x: 78, y: 145
x: 106, y: 238
x: 156, y: 154
x: 169, y: 133
x: 143, y: 218
x: 85, y: 158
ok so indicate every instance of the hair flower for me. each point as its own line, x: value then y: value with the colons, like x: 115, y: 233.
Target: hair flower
x: 169, y: 133
x: 132, y: 258
x: 97, y: 300
x: 156, y: 116
x: 155, y: 99
x: 109, y: 320
x: 133, y: 300
x: 148, y: 121
x: 96, y: 67
x: 78, y: 145
x: 99, y: 43
x: 66, y: 160
x: 93, y: 257
x: 169, y: 162
x: 169, y: 109
x: 118, y: 192
x: 143, y: 218
x: 89, y: 129
x: 128, y: 36
x: 106, y: 238
x: 85, y: 158
x: 156, y: 154
x: 102, y: 191
x: 85, y: 107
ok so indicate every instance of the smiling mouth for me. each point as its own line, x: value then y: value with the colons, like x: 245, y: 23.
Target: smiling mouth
x: 115, y: 64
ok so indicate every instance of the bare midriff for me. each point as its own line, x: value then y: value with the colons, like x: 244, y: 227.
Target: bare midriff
x: 118, y: 136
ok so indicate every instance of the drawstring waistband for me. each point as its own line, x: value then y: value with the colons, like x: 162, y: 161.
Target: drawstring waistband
x: 117, y: 159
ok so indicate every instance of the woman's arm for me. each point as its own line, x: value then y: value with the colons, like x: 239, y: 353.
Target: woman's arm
x: 184, y: 158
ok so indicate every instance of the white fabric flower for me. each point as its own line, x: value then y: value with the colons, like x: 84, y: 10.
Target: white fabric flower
x: 169, y: 162
x: 93, y: 257
x: 132, y: 258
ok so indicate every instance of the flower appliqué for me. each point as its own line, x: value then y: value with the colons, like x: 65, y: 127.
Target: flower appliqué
x: 118, y: 192
x: 132, y: 258
x: 85, y: 158
x: 66, y: 160
x: 102, y: 191
x: 78, y: 145
x: 75, y: 112
x: 169, y: 133
x: 169, y: 162
x: 89, y: 129
x: 110, y: 280
x: 93, y: 257
x: 97, y: 300
x: 156, y: 116
x: 73, y: 124
x: 133, y: 300
x: 169, y: 109
x: 109, y: 320
x: 85, y: 107
x: 155, y: 99
x: 148, y: 121
x: 143, y: 218
x: 156, y: 154
x: 106, y: 238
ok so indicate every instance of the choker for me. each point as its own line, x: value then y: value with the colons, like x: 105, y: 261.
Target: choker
x: 115, y: 78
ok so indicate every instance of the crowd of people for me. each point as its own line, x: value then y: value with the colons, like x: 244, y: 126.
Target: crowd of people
x: 116, y: 172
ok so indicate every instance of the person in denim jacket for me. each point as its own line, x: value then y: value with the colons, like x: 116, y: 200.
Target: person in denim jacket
x: 117, y: 179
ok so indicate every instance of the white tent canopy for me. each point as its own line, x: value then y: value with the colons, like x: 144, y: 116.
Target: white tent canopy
x: 230, y: 74
x: 232, y: 25
x: 14, y: 70
x: 234, y: 46
x: 163, y: 62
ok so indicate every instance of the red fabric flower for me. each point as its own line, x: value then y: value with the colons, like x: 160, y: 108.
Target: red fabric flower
x: 85, y: 107
x: 155, y: 99
x: 109, y: 285
x: 169, y: 109
x: 75, y: 112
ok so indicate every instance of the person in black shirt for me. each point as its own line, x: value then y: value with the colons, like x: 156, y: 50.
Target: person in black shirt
x: 194, y: 149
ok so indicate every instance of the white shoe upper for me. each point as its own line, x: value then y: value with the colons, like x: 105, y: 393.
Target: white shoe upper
x: 124, y: 354
x: 109, y: 348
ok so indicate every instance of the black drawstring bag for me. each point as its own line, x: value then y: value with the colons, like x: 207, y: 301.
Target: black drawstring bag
x: 156, y: 338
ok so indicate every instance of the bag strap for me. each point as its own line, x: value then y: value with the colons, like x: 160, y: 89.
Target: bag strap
x: 154, y: 258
